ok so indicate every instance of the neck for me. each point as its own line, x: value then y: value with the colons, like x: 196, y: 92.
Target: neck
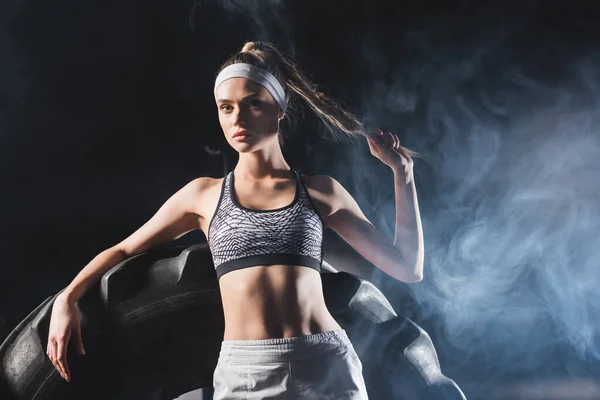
x: 261, y: 164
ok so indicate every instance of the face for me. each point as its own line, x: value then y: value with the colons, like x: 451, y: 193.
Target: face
x: 244, y: 105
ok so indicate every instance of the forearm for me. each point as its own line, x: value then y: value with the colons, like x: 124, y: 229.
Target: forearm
x: 409, y: 231
x: 92, y: 273
x: 341, y: 256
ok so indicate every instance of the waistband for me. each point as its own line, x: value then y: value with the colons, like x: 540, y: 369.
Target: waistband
x: 284, y: 349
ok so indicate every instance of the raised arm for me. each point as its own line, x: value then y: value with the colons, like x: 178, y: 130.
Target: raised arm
x: 348, y: 220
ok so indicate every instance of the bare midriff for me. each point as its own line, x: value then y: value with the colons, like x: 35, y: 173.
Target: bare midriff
x: 274, y: 301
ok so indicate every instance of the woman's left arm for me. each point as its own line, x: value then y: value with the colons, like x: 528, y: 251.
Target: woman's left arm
x: 402, y: 259
x: 409, y: 231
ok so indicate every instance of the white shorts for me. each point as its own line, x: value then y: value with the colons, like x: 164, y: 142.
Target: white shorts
x: 323, y: 365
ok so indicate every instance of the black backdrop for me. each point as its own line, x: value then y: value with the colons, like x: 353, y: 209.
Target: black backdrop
x: 106, y: 109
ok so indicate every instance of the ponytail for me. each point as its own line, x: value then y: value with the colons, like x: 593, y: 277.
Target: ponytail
x: 293, y: 80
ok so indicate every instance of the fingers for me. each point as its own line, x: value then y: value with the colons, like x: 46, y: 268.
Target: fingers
x: 373, y: 145
x: 52, y: 354
x: 62, y: 358
x: 396, y: 141
x: 57, y: 354
x: 395, y: 144
x: 379, y: 141
x: 388, y: 138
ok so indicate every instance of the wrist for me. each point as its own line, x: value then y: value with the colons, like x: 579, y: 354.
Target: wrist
x: 68, y: 295
x: 398, y: 168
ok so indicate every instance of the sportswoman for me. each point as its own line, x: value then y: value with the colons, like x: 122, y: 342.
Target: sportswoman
x: 264, y: 223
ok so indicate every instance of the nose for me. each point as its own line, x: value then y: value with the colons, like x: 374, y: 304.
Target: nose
x: 239, y: 118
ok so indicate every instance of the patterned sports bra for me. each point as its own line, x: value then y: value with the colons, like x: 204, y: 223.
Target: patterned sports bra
x: 239, y: 237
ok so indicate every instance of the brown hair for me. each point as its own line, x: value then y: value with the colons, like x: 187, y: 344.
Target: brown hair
x: 293, y: 80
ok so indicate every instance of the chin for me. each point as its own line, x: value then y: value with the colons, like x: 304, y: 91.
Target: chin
x: 245, y: 149
x: 253, y: 145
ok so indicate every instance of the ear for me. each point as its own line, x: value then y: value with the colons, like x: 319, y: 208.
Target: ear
x: 280, y: 115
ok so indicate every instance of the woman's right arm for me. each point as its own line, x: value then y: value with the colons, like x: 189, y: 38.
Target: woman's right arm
x: 176, y: 217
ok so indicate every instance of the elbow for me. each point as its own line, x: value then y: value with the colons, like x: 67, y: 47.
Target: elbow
x: 406, y: 278
x: 418, y: 272
x: 121, y: 254
x: 412, y: 275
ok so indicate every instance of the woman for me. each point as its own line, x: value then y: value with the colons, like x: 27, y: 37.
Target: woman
x: 264, y: 223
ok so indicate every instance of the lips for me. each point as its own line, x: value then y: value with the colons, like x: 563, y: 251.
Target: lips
x: 241, y: 133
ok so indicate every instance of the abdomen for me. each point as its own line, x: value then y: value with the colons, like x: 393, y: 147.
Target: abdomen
x: 274, y: 301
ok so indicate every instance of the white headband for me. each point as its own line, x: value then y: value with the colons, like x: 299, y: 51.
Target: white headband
x: 259, y: 75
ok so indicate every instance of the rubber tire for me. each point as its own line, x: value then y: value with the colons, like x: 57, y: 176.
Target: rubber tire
x: 153, y: 329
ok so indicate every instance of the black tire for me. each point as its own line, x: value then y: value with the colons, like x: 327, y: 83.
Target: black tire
x: 153, y: 328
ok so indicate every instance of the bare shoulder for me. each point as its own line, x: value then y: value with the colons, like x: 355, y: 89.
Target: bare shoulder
x: 325, y: 184
x: 324, y: 192
x: 178, y: 215
x: 320, y: 183
x: 205, y: 182
x: 207, y: 191
x: 195, y: 188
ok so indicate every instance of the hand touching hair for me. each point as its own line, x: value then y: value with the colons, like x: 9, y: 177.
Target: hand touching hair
x: 296, y: 82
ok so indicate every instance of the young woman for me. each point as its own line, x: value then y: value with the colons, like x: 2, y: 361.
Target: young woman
x: 264, y: 223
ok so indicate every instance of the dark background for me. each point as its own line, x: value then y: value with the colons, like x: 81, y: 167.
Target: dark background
x: 106, y: 109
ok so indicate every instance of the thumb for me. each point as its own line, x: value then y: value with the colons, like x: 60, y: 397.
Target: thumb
x: 78, y: 339
x: 373, y: 145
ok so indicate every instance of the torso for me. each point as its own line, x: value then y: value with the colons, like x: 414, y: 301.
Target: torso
x: 274, y: 301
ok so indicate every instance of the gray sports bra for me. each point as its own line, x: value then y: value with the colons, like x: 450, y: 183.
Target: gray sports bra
x: 239, y: 237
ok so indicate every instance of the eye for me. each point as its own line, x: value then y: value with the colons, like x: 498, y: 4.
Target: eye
x: 254, y: 103
x: 226, y: 107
